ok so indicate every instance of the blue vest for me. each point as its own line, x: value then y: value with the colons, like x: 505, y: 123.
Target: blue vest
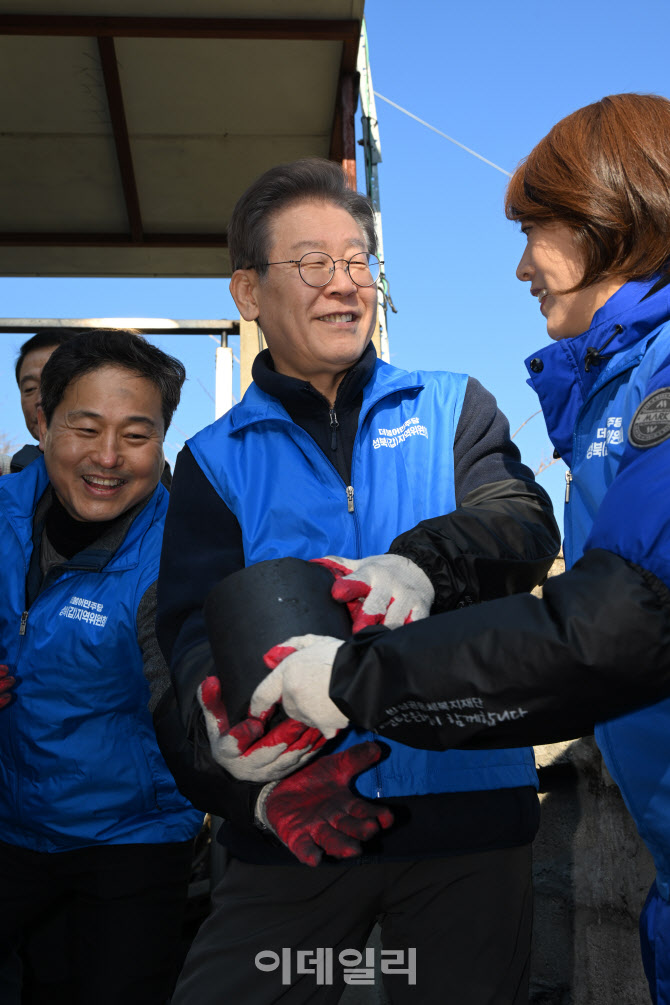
x: 589, y: 414
x: 290, y: 501
x: 79, y: 762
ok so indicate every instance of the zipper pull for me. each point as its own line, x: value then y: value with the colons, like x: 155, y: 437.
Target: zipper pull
x: 334, y: 425
x: 350, y: 498
x: 568, y: 479
x: 24, y: 618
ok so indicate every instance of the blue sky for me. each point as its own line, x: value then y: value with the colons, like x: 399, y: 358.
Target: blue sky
x: 494, y: 76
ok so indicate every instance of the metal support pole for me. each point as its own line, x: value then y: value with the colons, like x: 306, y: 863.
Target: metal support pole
x: 373, y: 155
x: 223, y: 394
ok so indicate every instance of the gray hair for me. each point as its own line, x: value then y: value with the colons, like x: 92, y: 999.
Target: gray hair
x: 309, y: 178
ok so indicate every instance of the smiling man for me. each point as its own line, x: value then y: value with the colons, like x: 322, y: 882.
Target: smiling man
x: 333, y: 452
x: 93, y: 479
x: 321, y: 315
x: 89, y: 814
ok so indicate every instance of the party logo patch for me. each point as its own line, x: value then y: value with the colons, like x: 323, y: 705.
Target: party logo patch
x: 651, y: 422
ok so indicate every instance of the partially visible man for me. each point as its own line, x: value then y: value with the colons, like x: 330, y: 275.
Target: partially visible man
x: 333, y: 452
x: 89, y: 813
x: 33, y: 354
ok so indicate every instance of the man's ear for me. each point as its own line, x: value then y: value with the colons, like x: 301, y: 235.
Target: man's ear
x: 42, y: 426
x: 243, y: 286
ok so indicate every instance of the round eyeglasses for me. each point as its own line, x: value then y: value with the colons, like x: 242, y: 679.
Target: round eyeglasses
x: 316, y: 268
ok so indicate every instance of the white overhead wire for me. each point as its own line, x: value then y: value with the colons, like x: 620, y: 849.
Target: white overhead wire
x: 440, y: 133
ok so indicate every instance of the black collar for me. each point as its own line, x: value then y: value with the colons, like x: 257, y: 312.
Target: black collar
x: 299, y: 395
x: 69, y: 536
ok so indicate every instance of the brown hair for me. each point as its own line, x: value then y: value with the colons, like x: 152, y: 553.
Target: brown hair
x: 605, y: 172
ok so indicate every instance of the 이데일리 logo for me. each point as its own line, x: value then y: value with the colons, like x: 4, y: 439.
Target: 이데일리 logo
x: 651, y: 422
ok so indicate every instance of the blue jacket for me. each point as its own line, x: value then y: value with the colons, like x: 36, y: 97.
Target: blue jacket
x: 79, y: 763
x: 291, y: 501
x: 617, y: 499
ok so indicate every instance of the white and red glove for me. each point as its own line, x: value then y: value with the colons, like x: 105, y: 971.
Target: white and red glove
x: 7, y: 682
x: 249, y: 751
x: 380, y: 590
x: 314, y: 811
x: 301, y: 680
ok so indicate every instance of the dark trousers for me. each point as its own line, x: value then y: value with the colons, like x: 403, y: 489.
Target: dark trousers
x: 468, y: 917
x: 124, y: 906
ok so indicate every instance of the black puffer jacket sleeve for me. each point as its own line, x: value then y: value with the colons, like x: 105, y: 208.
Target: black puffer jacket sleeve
x: 502, y: 537
x: 202, y: 544
x: 519, y: 670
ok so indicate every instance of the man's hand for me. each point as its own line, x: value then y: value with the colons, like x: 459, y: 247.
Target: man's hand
x: 314, y: 811
x: 6, y: 684
x: 249, y: 752
x: 380, y: 590
x: 300, y: 680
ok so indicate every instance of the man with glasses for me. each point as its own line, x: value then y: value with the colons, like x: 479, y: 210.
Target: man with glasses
x: 335, y: 453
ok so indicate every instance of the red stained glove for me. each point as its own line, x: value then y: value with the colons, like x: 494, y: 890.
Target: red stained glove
x: 300, y: 678
x: 249, y: 751
x: 314, y: 811
x: 380, y: 590
x: 6, y: 684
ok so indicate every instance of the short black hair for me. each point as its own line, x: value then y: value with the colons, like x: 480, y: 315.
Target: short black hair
x: 43, y: 339
x: 281, y: 186
x: 111, y: 347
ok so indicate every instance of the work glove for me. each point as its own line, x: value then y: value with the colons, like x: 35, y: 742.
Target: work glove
x: 380, y: 590
x: 6, y: 684
x: 300, y: 680
x: 249, y: 750
x: 314, y: 811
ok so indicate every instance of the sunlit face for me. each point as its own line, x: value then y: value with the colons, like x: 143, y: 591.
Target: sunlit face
x: 104, y: 446
x: 313, y: 334
x: 29, y: 385
x: 553, y: 262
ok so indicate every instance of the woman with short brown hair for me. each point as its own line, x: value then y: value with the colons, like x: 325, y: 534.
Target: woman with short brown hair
x: 593, y: 199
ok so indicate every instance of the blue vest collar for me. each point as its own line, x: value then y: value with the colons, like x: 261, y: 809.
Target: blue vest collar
x: 257, y: 406
x: 562, y: 373
x: 22, y: 492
